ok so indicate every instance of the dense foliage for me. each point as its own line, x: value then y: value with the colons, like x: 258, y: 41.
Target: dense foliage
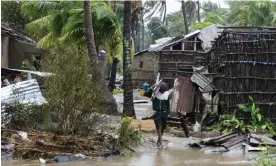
x: 229, y: 123
x: 75, y: 102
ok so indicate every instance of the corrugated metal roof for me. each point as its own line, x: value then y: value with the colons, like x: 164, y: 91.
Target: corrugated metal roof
x: 183, y: 95
x: 11, y: 32
x: 174, y: 40
x: 203, y: 82
x: 25, y: 92
x: 41, y: 74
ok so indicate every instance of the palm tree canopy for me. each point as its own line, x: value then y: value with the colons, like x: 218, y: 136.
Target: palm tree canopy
x: 252, y: 13
x: 63, y: 21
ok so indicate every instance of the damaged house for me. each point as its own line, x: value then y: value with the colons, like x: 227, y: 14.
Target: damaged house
x: 244, y: 59
x: 214, y: 70
x: 176, y: 60
x: 173, y: 56
x: 16, y: 47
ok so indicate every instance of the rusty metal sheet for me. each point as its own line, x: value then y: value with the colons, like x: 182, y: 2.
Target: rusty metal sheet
x: 183, y: 96
x: 203, y: 82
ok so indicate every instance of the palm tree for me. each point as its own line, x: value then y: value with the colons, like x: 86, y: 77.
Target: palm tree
x: 185, y: 17
x: 157, y: 29
x: 89, y: 33
x: 198, y: 11
x: 128, y: 109
x: 63, y: 21
x: 251, y: 13
x: 153, y: 7
x: 209, y: 6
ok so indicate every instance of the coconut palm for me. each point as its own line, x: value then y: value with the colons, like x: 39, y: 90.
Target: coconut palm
x: 157, y: 29
x: 251, y: 13
x: 62, y: 21
x: 209, y: 6
x: 153, y: 7
x: 128, y: 108
x: 185, y: 16
x: 89, y: 33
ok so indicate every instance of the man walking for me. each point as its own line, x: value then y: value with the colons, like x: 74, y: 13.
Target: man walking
x: 161, y: 106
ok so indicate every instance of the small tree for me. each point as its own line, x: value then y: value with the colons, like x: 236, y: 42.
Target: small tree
x: 75, y: 101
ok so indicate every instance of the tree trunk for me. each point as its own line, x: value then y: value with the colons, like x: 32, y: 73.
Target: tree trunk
x: 165, y: 12
x: 198, y: 11
x: 103, y: 63
x: 128, y: 109
x: 137, y: 40
x: 92, y: 53
x: 185, y: 17
x: 111, y: 84
x: 133, y: 30
x: 111, y: 107
x: 143, y: 33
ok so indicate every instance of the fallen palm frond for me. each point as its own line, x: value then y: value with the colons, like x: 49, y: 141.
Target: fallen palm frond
x: 47, y: 145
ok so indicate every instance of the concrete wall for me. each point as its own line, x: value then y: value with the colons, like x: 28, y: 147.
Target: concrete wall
x: 144, y: 68
x: 5, y: 51
x: 18, y: 51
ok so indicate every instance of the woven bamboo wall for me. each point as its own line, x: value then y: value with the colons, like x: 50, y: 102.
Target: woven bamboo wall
x: 246, y: 61
x: 173, y: 63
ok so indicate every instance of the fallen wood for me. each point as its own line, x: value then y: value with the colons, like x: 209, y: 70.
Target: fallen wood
x: 49, y: 145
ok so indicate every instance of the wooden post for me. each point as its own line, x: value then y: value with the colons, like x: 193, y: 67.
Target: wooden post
x: 195, y: 44
x: 183, y: 46
x: 184, y: 126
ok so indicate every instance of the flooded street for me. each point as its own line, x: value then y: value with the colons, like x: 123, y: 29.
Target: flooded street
x: 176, y: 153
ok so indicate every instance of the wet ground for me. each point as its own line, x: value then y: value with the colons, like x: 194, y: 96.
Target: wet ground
x: 175, y: 153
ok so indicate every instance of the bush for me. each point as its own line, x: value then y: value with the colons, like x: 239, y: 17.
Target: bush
x: 75, y: 101
x: 128, y: 136
x: 229, y: 123
x: 265, y: 158
x: 22, y: 116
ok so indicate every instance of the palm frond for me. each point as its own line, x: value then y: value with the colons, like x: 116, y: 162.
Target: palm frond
x: 46, y: 41
x: 39, y: 25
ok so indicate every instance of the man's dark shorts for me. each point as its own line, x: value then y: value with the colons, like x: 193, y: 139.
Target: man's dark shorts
x: 160, y: 120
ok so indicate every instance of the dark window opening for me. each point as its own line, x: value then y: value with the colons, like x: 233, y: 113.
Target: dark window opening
x: 177, y: 46
x: 141, y: 65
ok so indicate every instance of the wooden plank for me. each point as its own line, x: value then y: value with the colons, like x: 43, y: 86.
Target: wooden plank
x: 234, y: 93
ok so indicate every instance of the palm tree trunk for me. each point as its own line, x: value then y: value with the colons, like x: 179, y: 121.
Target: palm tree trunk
x: 165, y: 12
x: 111, y: 84
x: 185, y: 17
x: 137, y: 40
x: 128, y: 109
x: 92, y: 53
x: 143, y: 33
x: 198, y: 11
x: 111, y: 107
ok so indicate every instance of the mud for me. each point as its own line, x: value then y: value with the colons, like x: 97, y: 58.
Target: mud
x: 175, y: 153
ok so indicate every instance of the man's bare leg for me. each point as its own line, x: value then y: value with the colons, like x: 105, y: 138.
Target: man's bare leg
x: 159, y: 132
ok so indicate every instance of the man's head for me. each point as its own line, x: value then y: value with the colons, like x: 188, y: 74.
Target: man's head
x: 163, y: 87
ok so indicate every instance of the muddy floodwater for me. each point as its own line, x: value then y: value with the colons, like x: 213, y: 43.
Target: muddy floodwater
x: 176, y: 153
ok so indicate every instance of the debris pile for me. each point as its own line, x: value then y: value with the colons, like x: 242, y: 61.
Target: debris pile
x: 36, y: 144
x: 236, y: 141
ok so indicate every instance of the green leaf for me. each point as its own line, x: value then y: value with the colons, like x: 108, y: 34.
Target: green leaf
x: 243, y: 107
x: 257, y: 110
x: 251, y: 99
x: 253, y: 107
x: 264, y: 127
x: 259, y: 116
